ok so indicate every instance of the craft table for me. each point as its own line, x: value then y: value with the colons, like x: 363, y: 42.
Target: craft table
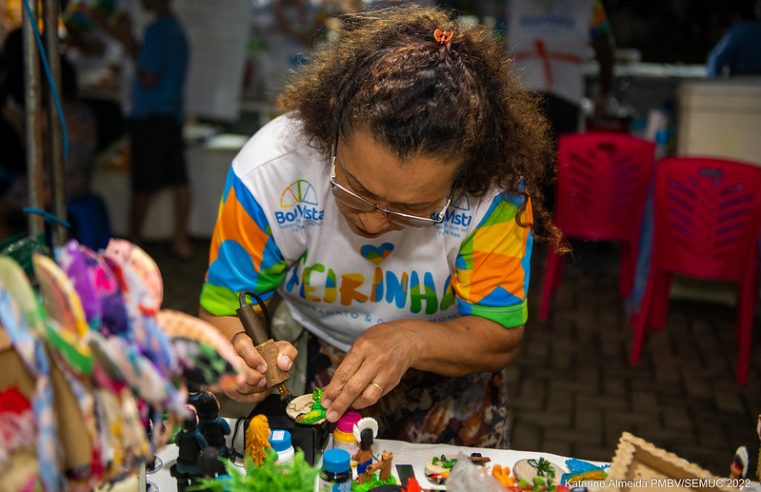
x: 416, y: 455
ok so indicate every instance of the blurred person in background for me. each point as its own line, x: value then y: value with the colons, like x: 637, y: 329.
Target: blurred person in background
x: 548, y: 41
x: 103, y: 68
x: 86, y: 211
x: 155, y: 124
x: 286, y: 32
x: 739, y: 50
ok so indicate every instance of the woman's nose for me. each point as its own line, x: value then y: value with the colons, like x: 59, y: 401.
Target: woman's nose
x: 375, y: 222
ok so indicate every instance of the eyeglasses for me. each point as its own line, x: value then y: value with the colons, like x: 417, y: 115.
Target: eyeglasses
x: 362, y: 204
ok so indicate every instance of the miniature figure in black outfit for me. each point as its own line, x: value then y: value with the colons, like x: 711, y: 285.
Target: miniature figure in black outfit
x: 191, y: 443
x: 213, y: 427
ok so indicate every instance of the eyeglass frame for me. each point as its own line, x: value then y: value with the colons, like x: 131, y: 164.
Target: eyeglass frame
x: 389, y: 214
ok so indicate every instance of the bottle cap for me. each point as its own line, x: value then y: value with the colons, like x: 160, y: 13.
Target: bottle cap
x: 280, y: 439
x: 336, y: 461
x: 347, y: 421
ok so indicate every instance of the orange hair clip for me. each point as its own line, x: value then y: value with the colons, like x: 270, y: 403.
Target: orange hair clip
x: 442, y: 37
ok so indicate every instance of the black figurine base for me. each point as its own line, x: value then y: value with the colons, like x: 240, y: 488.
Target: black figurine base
x: 311, y: 439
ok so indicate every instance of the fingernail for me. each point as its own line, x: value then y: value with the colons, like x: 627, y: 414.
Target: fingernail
x: 332, y: 416
x: 262, y: 383
x: 284, y: 362
x: 325, y: 403
x: 261, y: 368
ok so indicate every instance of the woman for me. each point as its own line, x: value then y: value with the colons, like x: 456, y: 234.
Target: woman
x: 391, y: 209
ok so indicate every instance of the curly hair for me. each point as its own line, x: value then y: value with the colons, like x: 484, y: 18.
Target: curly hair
x: 386, y: 73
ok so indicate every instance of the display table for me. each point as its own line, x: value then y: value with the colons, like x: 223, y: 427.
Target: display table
x: 416, y: 455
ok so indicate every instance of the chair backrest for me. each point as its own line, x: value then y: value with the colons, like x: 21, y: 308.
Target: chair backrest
x: 602, y: 184
x: 707, y: 216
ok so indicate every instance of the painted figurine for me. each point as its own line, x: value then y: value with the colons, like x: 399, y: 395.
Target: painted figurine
x: 258, y: 438
x: 365, y: 432
x: 213, y: 427
x: 191, y: 443
x: 740, y: 462
x: 384, y: 466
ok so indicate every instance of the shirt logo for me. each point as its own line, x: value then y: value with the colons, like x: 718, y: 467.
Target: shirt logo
x: 457, y: 219
x: 299, y: 206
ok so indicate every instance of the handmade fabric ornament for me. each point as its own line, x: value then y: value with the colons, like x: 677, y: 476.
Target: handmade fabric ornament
x: 141, y: 311
x: 205, y: 357
x: 20, y: 317
x: 126, y: 253
x: 67, y: 327
x: 66, y: 331
x: 17, y: 426
x: 123, y: 362
x: 98, y: 289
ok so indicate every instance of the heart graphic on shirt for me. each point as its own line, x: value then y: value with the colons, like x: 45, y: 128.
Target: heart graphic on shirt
x: 376, y: 254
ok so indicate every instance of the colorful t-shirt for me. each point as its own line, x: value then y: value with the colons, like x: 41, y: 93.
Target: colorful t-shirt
x: 280, y: 229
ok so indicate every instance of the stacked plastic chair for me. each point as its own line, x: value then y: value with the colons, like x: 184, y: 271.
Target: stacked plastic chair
x: 707, y: 215
x: 602, y: 183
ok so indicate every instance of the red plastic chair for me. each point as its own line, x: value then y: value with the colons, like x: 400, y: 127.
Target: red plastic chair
x: 707, y: 215
x: 602, y: 182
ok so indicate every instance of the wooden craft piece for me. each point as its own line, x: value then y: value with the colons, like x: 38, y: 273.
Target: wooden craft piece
x: 269, y: 352
x: 526, y: 470
x: 301, y: 405
x: 438, y: 469
x: 638, y: 461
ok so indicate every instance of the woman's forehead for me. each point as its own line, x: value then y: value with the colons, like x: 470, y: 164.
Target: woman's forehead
x: 370, y: 165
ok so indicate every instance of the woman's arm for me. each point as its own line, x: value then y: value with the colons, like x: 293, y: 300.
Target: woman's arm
x: 480, y: 345
x: 380, y: 357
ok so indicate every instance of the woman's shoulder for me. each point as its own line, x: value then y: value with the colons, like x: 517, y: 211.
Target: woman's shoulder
x: 281, y: 142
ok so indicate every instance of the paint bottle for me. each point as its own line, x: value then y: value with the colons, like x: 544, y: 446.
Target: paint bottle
x: 343, y: 434
x: 280, y: 440
x: 335, y: 474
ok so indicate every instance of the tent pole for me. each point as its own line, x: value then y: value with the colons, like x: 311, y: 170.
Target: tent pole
x: 51, y: 12
x: 33, y: 123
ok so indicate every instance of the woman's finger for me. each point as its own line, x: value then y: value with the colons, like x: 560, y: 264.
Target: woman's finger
x: 345, y: 371
x: 245, y: 348
x: 287, y: 354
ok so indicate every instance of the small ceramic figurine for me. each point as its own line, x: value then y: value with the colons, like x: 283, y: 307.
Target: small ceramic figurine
x: 258, y: 438
x: 213, y: 427
x: 384, y: 466
x: 191, y: 443
x: 740, y: 462
x: 365, y: 432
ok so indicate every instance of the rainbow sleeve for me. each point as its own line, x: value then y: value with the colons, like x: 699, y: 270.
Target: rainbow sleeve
x: 243, y: 253
x: 599, y: 24
x: 493, y: 265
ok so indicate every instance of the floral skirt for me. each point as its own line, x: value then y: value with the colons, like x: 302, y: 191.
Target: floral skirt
x: 471, y: 410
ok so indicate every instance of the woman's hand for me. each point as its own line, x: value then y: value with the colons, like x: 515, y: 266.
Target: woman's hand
x: 254, y: 387
x: 374, y: 365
